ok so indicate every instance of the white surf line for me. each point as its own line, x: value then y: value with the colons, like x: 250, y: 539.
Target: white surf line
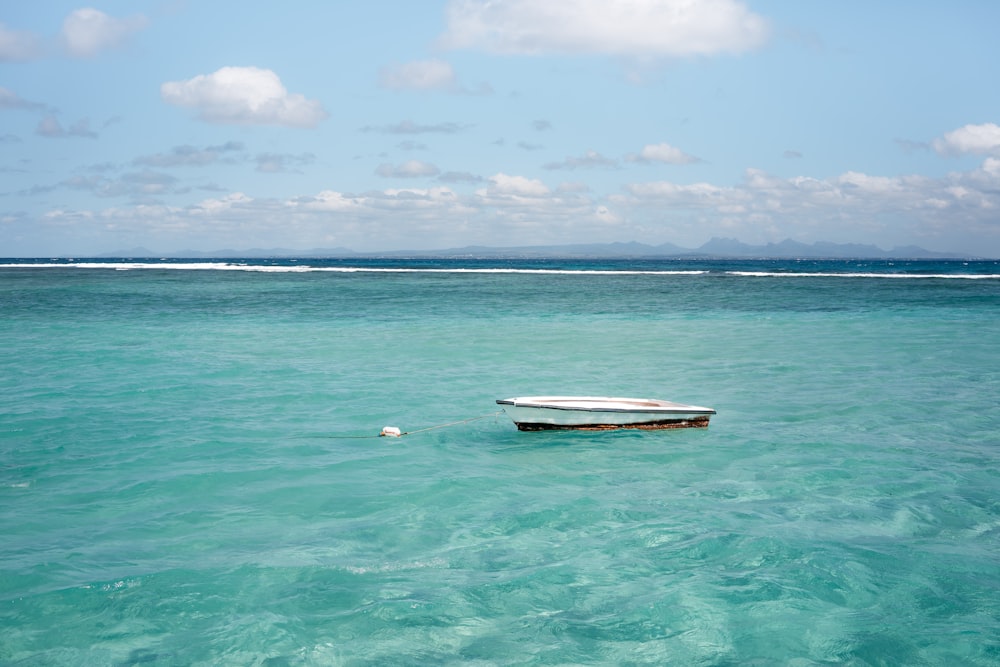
x: 778, y: 274
x: 265, y: 268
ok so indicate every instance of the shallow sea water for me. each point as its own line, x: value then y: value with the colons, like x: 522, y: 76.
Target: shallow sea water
x: 189, y: 473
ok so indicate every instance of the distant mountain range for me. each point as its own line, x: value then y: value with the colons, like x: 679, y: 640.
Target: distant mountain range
x: 716, y: 248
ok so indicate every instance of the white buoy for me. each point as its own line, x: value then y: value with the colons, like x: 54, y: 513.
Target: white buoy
x: 390, y: 431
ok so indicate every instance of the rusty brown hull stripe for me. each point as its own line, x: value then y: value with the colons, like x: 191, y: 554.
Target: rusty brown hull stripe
x: 698, y: 422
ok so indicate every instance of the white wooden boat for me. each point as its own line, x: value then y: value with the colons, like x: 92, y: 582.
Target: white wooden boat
x: 596, y: 413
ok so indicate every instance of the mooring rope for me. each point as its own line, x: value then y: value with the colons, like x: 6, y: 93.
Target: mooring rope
x: 461, y: 421
x: 390, y: 431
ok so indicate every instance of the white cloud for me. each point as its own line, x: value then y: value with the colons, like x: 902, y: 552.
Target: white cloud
x: 516, y: 186
x: 623, y: 27
x: 955, y: 212
x: 244, y: 96
x: 419, y: 75
x: 221, y: 204
x: 905, y: 209
x: 326, y: 201
x: 18, y: 46
x: 976, y: 139
x: 513, y: 210
x: 413, y: 199
x: 86, y: 32
x: 409, y: 169
x: 662, y: 153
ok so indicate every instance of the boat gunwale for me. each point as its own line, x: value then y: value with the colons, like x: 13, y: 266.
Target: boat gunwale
x: 641, y: 405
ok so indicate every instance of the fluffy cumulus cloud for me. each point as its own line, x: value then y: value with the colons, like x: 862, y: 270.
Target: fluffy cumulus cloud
x: 87, y: 32
x: 971, y: 139
x: 622, y: 27
x: 243, y: 96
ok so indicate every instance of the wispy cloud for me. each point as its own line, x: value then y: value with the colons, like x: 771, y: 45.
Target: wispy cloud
x: 18, y: 45
x: 140, y: 186
x: 409, y: 127
x: 627, y: 28
x: 408, y: 169
x: 11, y: 100
x: 275, y: 163
x: 589, y: 160
x: 418, y: 75
x: 190, y: 156
x: 87, y: 32
x: 459, y: 177
x: 427, y: 75
x: 51, y: 128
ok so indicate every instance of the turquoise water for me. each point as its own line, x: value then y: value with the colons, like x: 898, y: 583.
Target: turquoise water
x: 189, y: 473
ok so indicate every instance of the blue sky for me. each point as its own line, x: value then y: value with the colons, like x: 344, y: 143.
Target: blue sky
x: 391, y: 125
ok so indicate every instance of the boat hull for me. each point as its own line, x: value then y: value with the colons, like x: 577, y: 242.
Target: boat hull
x: 598, y: 413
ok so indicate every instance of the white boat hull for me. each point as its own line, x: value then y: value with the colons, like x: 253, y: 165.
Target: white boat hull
x: 536, y: 413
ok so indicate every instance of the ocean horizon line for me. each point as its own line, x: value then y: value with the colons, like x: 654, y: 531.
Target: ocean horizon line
x: 716, y: 248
